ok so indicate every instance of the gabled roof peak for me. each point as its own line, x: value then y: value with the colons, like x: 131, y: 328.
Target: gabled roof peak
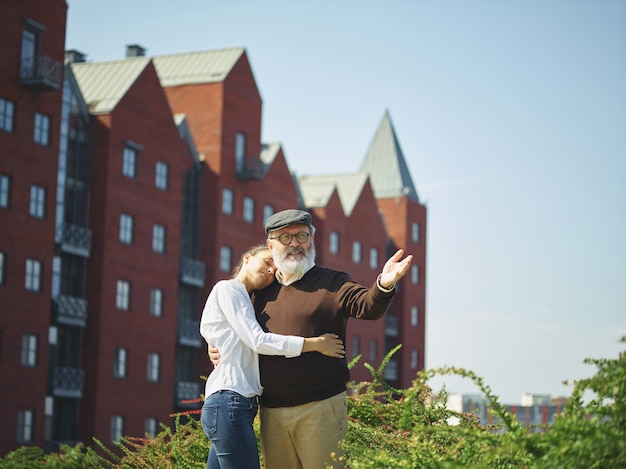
x: 386, y: 165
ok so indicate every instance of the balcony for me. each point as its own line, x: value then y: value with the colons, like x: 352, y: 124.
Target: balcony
x: 187, y: 391
x: 41, y: 73
x: 70, y: 310
x: 251, y: 168
x: 391, y: 326
x: 68, y: 382
x: 74, y: 239
x: 192, y: 272
x: 189, y: 333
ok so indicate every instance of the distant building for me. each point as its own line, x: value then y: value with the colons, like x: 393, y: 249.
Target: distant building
x: 127, y: 189
x: 535, y: 409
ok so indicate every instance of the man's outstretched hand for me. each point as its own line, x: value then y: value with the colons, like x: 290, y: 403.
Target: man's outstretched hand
x: 394, y: 269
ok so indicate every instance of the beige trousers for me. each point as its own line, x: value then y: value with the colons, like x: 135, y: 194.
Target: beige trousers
x: 305, y: 436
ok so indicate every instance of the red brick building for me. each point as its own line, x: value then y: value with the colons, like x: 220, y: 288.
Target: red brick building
x: 127, y: 189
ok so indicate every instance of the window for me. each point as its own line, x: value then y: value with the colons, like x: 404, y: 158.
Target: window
x: 414, y: 359
x: 151, y: 427
x: 248, y: 209
x: 119, y: 366
x: 37, y: 201
x: 126, y: 228
x: 2, y: 263
x: 415, y: 317
x: 356, y: 345
x: 122, y: 297
x: 129, y: 162
x: 32, y: 281
x: 25, y: 421
x: 29, y: 351
x: 415, y: 277
x: 160, y: 175
x: 153, y: 367
x: 156, y: 302
x: 356, y: 252
x: 117, y: 428
x: 42, y: 129
x: 415, y: 232
x: 374, y: 258
x: 7, y: 111
x: 373, y: 350
x: 268, y: 211
x: 5, y: 189
x: 225, y: 258
x: 227, y: 201
x: 158, y: 238
x: 240, y: 151
x: 333, y: 242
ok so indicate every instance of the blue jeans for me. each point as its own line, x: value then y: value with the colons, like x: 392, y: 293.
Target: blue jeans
x: 227, y: 421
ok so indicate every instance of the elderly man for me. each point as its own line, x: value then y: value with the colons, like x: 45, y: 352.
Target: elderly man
x: 303, y: 406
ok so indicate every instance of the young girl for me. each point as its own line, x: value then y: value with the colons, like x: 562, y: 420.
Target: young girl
x: 228, y: 322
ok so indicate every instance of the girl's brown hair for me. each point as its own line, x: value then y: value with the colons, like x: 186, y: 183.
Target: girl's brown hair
x: 253, y: 251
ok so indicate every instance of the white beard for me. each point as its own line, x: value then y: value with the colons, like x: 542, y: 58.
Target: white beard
x: 289, y: 266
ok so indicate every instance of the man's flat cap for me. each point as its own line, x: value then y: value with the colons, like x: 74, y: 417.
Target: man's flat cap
x: 285, y: 218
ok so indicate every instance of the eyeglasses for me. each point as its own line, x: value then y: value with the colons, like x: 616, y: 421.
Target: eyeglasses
x: 285, y: 238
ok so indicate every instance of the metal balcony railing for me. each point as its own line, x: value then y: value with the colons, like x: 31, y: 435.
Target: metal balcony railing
x: 189, y: 333
x: 68, y: 382
x: 192, y: 271
x: 70, y: 310
x: 187, y: 391
x: 41, y: 72
x: 74, y: 239
x: 251, y: 168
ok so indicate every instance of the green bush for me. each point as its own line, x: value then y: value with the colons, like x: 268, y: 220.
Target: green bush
x: 402, y: 429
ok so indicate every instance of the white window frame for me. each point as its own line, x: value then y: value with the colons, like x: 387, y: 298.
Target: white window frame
x: 356, y: 345
x: 151, y: 426
x: 29, y: 351
x: 226, y: 258
x: 373, y: 258
x: 37, y: 205
x: 41, y: 132
x: 161, y: 172
x: 415, y: 316
x: 333, y: 243
x: 158, y: 238
x: 130, y: 156
x: 414, y: 359
x: 126, y: 228
x: 415, y: 232
x: 5, y: 190
x: 227, y: 201
x: 32, y: 281
x: 153, y: 367
x: 356, y: 252
x: 7, y: 115
x: 415, y: 274
x: 240, y: 151
x: 122, y: 295
x: 25, y: 424
x: 120, y: 364
x: 156, y: 302
x: 248, y: 209
x: 268, y: 211
x: 117, y: 428
x: 373, y: 350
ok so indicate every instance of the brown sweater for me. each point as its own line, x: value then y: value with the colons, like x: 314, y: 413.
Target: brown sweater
x: 320, y: 302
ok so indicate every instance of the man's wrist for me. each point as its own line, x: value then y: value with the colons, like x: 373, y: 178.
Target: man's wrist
x: 383, y: 288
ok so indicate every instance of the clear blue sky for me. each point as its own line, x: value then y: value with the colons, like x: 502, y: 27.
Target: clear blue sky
x: 512, y: 118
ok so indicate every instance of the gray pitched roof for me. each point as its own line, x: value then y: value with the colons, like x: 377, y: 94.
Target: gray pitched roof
x: 103, y: 84
x: 317, y: 190
x: 385, y: 164
x: 208, y: 66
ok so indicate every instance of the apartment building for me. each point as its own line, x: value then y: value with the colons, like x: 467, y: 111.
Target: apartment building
x: 127, y: 189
